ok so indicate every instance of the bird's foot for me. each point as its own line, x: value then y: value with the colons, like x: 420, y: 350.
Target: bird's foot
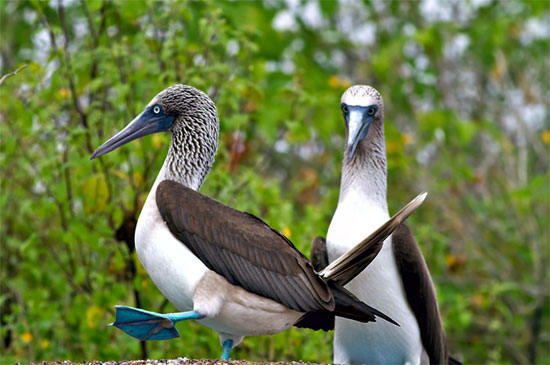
x: 145, y: 325
x: 227, y: 346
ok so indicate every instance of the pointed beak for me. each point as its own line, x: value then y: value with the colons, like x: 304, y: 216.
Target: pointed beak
x: 145, y: 123
x: 358, y: 128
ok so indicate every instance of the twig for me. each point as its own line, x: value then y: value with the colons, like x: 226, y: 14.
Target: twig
x: 12, y: 74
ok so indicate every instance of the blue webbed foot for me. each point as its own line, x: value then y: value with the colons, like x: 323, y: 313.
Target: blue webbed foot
x: 145, y: 325
x: 227, y: 346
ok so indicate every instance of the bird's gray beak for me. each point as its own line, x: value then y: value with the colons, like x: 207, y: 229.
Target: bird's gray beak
x: 146, y: 123
x: 358, y: 128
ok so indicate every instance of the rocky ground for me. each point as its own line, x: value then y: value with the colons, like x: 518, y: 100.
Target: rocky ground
x: 178, y: 361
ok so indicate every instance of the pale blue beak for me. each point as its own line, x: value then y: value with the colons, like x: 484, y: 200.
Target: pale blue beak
x: 358, y: 122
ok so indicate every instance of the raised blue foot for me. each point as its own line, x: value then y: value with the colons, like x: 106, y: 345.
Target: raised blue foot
x: 227, y: 346
x: 145, y: 325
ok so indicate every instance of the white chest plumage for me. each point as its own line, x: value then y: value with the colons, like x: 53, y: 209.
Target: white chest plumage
x: 379, y: 284
x: 171, y: 265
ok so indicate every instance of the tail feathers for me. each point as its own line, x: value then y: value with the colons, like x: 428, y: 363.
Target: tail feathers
x: 353, y: 262
x: 349, y: 306
x: 320, y: 320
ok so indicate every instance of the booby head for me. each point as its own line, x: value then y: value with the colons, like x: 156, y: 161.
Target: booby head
x: 178, y: 109
x: 191, y: 116
x: 361, y: 106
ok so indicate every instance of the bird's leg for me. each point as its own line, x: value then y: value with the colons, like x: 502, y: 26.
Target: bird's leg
x: 227, y: 346
x: 145, y: 325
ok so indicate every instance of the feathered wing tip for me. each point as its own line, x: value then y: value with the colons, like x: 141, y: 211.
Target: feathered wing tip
x: 347, y: 306
x: 353, y: 262
x: 351, y: 307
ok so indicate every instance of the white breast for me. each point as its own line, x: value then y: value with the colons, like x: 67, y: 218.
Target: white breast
x: 170, y: 264
x: 379, y: 285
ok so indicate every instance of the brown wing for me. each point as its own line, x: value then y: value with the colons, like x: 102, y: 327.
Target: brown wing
x: 242, y: 248
x: 420, y: 293
x: 318, y: 253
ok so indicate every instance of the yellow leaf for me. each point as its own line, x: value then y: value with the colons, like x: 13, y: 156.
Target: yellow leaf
x: 138, y: 178
x: 393, y: 147
x: 450, y: 260
x: 93, y: 314
x: 157, y: 140
x: 336, y: 82
x: 333, y: 82
x: 478, y: 300
x: 26, y: 337
x: 63, y: 92
x: 286, y: 232
x: 121, y: 175
x: 408, y: 138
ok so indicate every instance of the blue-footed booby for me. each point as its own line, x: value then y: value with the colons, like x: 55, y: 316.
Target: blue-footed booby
x: 397, y: 279
x: 224, y: 268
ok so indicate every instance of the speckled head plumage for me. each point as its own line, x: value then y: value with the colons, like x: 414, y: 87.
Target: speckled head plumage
x: 195, y: 133
x: 184, y: 101
x: 192, y: 118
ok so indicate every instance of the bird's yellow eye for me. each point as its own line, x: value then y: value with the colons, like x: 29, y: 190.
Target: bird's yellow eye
x: 345, y: 109
x: 371, y: 111
x: 156, y: 109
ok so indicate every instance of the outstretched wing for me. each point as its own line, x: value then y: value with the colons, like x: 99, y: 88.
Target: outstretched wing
x: 242, y: 248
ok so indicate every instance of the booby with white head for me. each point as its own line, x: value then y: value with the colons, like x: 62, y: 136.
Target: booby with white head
x: 397, y: 279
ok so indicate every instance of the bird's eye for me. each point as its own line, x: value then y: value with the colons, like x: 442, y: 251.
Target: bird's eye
x: 371, y: 111
x: 345, y: 109
x: 156, y: 109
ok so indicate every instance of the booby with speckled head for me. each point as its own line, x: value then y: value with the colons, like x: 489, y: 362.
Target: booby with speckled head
x: 397, y: 278
x: 224, y: 268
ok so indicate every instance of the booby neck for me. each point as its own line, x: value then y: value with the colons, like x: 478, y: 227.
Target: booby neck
x: 366, y: 173
x: 189, y: 167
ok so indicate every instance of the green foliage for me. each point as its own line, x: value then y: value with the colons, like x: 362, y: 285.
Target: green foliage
x: 466, y: 104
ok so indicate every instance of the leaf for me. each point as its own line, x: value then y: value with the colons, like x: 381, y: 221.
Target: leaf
x: 94, y: 189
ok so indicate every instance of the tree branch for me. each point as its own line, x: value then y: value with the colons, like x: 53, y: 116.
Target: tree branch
x: 11, y: 74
